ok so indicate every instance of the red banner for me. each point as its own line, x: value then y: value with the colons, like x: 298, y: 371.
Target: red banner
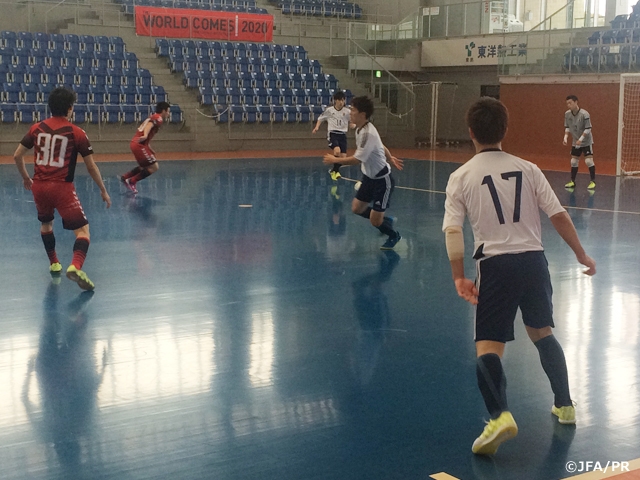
x: 206, y: 24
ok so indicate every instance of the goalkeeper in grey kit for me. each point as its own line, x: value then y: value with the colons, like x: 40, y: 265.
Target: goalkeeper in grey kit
x: 577, y: 122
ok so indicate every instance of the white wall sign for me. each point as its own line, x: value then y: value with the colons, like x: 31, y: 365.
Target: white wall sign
x: 489, y: 50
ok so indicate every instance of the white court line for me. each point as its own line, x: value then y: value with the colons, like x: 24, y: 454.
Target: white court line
x: 565, y: 206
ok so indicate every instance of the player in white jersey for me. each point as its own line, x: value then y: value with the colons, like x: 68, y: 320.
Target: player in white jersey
x: 577, y: 123
x: 501, y: 195
x: 374, y: 159
x: 337, y: 118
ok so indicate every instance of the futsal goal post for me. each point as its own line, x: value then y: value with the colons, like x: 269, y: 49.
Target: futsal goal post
x: 628, y: 152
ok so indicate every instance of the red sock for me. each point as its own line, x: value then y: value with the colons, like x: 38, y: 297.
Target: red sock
x: 80, y: 249
x: 49, y: 241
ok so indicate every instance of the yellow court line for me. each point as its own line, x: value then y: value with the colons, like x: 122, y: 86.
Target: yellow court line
x: 564, y: 206
x: 442, y: 476
x: 633, y: 465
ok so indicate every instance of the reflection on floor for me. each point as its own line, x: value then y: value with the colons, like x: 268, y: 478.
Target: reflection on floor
x: 246, y: 325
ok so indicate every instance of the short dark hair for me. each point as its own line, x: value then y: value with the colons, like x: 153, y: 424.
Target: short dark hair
x: 572, y: 97
x: 363, y: 104
x: 488, y: 119
x: 339, y: 95
x: 61, y: 99
x: 162, y: 106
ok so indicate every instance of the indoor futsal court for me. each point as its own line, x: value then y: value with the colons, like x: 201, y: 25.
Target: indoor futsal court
x: 246, y: 325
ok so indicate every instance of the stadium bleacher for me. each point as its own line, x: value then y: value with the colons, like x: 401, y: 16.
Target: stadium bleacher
x: 244, y: 6
x: 319, y: 8
x: 252, y: 82
x: 610, y: 50
x: 108, y: 82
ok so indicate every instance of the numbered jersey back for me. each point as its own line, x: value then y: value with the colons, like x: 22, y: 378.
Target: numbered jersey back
x: 56, y: 143
x: 501, y: 195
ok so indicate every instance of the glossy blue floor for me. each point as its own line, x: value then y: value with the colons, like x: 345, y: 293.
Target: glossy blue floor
x: 245, y: 325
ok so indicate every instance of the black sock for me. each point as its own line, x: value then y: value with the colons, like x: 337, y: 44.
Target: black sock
x: 386, y: 228
x: 144, y: 173
x: 492, y: 383
x: 132, y: 173
x: 555, y: 366
x: 574, y: 173
x: 49, y: 241
x: 366, y: 213
x: 336, y: 167
x: 592, y: 172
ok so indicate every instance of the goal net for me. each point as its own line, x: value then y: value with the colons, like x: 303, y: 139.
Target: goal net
x: 628, y: 155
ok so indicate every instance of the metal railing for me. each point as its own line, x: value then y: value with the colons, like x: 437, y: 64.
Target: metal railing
x: 475, y: 18
x: 383, y: 85
x: 551, y: 47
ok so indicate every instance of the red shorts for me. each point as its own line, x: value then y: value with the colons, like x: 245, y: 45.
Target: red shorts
x: 144, y: 155
x: 60, y: 196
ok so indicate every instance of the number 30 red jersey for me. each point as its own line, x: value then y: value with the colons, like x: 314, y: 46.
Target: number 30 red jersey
x: 57, y: 143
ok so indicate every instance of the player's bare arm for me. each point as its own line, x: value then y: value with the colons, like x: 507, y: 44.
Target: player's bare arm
x: 18, y: 157
x: 395, y: 161
x: 317, y: 127
x: 566, y: 136
x: 564, y: 226
x: 94, y: 172
x: 465, y: 288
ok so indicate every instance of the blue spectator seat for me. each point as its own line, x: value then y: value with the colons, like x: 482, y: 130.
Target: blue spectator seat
x: 130, y: 114
x: 158, y: 94
x: 264, y: 112
x: 304, y: 113
x: 277, y: 114
x: 176, y: 114
x: 221, y: 111
x: 236, y: 113
x: 291, y: 113
x: 27, y: 113
x: 29, y: 93
x: 112, y: 113
x: 10, y: 93
x: 8, y: 112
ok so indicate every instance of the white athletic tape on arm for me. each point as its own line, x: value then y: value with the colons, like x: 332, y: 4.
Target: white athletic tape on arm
x: 455, y: 243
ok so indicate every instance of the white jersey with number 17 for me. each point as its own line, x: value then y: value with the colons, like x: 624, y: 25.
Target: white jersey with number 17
x: 501, y: 195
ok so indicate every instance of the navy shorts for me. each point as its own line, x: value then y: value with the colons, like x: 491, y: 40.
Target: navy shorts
x: 338, y: 140
x: 508, y: 282
x: 376, y: 190
x: 586, y: 151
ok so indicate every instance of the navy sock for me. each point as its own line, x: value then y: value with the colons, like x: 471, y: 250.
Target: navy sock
x: 386, y: 228
x: 366, y: 213
x: 592, y: 172
x: 555, y: 366
x: 574, y: 173
x: 492, y: 383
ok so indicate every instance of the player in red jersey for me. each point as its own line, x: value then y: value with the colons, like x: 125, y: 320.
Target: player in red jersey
x: 57, y: 143
x: 145, y: 156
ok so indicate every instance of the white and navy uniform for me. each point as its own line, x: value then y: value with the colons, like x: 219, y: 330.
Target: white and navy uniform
x: 337, y: 126
x: 501, y: 195
x: 579, y: 125
x: 377, y: 183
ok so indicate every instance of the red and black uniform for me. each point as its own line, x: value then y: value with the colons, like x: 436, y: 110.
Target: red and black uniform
x: 57, y: 143
x: 142, y: 151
